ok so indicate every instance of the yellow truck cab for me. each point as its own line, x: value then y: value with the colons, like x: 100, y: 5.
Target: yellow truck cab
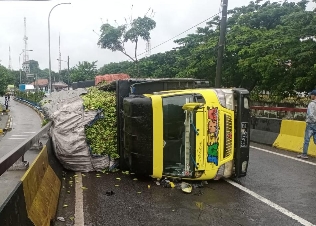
x: 194, y: 134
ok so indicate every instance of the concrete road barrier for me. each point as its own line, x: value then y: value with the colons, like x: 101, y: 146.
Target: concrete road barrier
x: 291, y: 137
x: 264, y: 130
x: 34, y: 200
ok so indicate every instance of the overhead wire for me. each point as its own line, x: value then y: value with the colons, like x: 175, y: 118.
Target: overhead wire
x: 170, y: 39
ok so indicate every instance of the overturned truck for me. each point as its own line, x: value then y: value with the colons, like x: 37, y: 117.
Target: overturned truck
x: 182, y: 128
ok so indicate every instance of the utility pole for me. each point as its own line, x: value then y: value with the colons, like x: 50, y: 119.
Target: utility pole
x: 221, y: 45
x: 10, y: 63
x: 68, y: 72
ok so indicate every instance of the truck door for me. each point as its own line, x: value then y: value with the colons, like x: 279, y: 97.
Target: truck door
x: 242, y: 131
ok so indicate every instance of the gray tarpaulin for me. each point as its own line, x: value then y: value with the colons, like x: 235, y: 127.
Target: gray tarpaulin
x: 67, y: 131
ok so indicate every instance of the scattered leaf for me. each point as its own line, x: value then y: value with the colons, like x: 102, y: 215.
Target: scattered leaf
x: 118, y: 178
x: 148, y: 186
x: 83, y: 175
x: 117, y: 185
x: 65, y: 205
x: 139, y: 192
x: 68, y: 192
x: 71, y: 218
x: 84, y: 188
x: 135, y: 179
x: 98, y: 176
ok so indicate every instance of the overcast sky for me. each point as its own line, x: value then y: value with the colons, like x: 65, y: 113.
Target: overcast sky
x: 75, y: 24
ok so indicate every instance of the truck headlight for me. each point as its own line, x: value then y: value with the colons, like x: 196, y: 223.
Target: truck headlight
x: 226, y: 98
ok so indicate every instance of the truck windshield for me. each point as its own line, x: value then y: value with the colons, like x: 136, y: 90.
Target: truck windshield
x: 179, y: 136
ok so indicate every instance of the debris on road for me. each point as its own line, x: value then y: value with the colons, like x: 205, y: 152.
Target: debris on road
x: 186, y: 187
x: 61, y: 219
x: 109, y: 193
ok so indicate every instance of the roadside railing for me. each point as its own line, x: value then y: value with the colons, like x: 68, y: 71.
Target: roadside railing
x: 279, y: 112
x: 16, y: 156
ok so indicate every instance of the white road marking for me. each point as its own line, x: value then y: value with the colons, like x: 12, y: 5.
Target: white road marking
x: 16, y: 138
x: 285, y: 156
x: 271, y: 204
x: 19, y: 135
x: 79, y: 216
x: 29, y: 132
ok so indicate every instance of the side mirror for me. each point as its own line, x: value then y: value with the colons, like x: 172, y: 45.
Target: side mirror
x: 192, y: 106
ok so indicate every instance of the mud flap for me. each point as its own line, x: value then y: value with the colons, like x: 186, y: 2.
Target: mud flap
x: 242, y: 131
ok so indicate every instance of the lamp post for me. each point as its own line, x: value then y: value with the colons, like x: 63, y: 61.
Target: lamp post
x: 50, y: 75
x: 30, y: 50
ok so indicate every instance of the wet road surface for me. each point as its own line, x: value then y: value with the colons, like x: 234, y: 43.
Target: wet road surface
x: 278, y: 190
x: 25, y: 123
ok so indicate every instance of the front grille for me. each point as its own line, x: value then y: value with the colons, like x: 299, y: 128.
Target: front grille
x: 228, y: 136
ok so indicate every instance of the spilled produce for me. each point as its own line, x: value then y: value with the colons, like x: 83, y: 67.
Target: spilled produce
x: 84, y: 130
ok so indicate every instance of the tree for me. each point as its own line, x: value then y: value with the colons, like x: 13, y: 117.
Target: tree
x: 83, y: 71
x: 115, y: 38
x: 269, y: 46
x: 6, y: 78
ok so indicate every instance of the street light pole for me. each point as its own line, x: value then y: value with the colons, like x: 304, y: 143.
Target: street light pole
x: 50, y: 75
x: 68, y: 72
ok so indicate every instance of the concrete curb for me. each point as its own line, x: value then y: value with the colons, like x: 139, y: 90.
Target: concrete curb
x: 8, y: 126
x: 38, y: 111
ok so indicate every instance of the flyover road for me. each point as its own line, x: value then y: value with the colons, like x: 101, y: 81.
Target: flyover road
x: 25, y: 123
x: 278, y: 190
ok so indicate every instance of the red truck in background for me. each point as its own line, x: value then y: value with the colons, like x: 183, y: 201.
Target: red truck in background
x: 111, y: 77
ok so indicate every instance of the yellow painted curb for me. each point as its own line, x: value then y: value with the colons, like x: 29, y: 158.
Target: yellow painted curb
x: 291, y: 137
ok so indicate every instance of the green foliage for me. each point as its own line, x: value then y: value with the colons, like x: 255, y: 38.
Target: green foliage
x: 6, y: 78
x: 83, y: 71
x: 269, y: 46
x: 114, y: 38
x: 44, y: 122
x: 102, y: 135
x: 35, y: 97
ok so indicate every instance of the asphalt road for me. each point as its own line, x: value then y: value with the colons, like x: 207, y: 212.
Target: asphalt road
x: 25, y: 123
x: 278, y: 190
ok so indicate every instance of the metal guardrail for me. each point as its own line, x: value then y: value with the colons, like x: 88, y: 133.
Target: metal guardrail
x: 266, y: 108
x: 13, y: 156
